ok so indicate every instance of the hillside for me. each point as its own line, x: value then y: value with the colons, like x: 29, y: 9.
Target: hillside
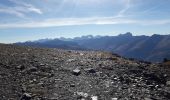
x: 149, y: 48
x: 53, y: 74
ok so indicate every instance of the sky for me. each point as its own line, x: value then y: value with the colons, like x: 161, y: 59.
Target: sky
x: 22, y: 20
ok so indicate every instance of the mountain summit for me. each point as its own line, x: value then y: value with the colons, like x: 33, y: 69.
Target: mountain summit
x: 128, y: 34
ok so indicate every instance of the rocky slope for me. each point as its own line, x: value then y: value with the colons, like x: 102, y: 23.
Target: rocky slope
x: 53, y: 74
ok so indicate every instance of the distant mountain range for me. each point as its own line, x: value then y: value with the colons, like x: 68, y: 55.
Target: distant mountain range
x: 149, y: 48
x: 52, y: 43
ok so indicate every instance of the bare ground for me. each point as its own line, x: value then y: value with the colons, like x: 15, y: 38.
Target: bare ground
x: 52, y: 74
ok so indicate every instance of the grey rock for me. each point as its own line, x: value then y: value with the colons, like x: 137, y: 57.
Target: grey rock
x: 147, y: 99
x: 94, y: 98
x: 26, y: 96
x: 168, y: 83
x: 90, y: 70
x: 114, y: 99
x: 76, y: 72
x: 21, y: 67
x: 32, y: 69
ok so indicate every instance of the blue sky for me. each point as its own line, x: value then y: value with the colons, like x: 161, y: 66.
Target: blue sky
x: 23, y: 20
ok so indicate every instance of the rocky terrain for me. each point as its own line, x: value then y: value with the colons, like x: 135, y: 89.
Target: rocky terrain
x: 53, y: 74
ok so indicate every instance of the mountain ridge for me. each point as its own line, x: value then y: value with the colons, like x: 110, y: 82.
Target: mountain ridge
x: 150, y: 48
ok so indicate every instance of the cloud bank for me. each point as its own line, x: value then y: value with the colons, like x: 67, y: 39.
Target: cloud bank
x: 82, y: 21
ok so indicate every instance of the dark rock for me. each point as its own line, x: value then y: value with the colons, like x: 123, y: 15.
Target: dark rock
x: 72, y: 85
x: 26, y: 96
x: 167, y: 94
x: 32, y: 69
x: 156, y: 78
x: 21, y: 67
x: 136, y: 71
x: 90, y: 70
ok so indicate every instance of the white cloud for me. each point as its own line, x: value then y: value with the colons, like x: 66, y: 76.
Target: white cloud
x: 82, y: 21
x: 88, y: 2
x: 19, y: 9
x: 27, y: 10
x: 25, y: 7
x: 33, y: 9
x: 67, y: 22
x: 126, y: 7
x: 12, y: 12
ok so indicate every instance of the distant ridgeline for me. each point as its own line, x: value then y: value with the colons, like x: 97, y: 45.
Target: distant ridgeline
x: 166, y: 60
x: 149, y: 48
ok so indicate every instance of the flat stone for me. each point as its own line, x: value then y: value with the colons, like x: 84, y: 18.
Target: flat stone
x: 94, y: 98
x: 76, y: 72
x: 114, y: 99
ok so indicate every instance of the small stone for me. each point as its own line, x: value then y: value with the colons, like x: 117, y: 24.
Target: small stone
x: 41, y: 83
x: 42, y: 64
x: 147, y: 99
x: 33, y: 69
x: 34, y: 80
x: 114, y: 99
x: 168, y: 83
x: 84, y: 95
x: 70, y: 60
x: 24, y: 89
x: 81, y: 54
x: 76, y: 72
x: 90, y: 70
x: 26, y: 96
x: 21, y: 67
x: 31, y: 81
x: 94, y: 98
x: 72, y: 85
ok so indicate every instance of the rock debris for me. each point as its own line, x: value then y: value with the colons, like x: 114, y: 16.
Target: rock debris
x: 53, y: 74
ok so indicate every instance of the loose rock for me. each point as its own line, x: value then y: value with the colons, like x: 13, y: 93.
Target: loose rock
x: 26, y: 96
x: 76, y: 72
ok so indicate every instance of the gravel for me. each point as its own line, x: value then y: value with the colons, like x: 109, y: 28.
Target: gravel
x: 53, y: 74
